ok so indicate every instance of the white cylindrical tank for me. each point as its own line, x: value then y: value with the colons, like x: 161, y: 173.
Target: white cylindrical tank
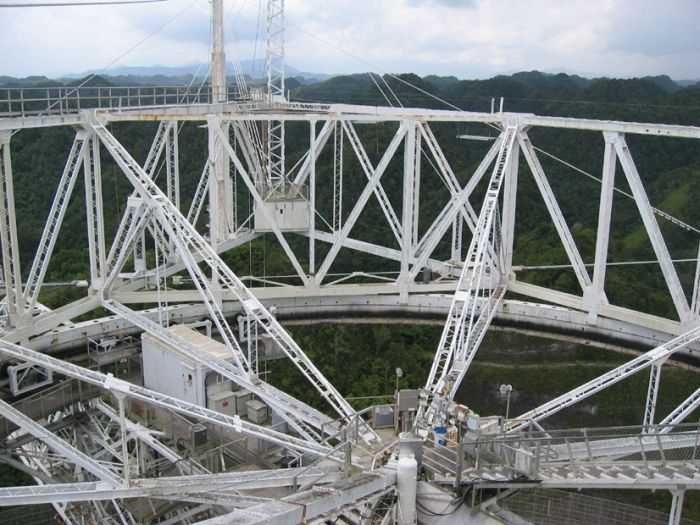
x: 406, y: 483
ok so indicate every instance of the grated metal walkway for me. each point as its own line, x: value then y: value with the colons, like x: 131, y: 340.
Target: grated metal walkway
x: 554, y: 507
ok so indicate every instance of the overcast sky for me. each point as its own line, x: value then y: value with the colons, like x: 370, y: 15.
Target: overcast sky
x: 465, y: 38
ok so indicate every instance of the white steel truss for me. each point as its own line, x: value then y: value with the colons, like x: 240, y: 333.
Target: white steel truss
x: 477, y: 296
x: 55, y: 218
x: 198, y: 201
x: 191, y: 244
x: 555, y: 212
x: 338, y: 141
x: 652, y: 228
x: 361, y: 202
x: 93, y: 207
x: 14, y: 294
x: 299, y: 415
x: 130, y: 390
x: 650, y: 358
x: 596, y: 293
x: 449, y: 215
x: 218, y: 57
x: 67, y: 450
x: 682, y: 411
x: 652, y: 394
x: 276, y: 173
x: 379, y: 192
x: 238, y: 151
x: 221, y: 487
x: 696, y: 289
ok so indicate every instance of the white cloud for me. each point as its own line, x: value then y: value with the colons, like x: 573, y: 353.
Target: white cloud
x: 461, y: 37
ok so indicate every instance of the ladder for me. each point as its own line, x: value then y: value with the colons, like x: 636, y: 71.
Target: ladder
x: 476, y: 299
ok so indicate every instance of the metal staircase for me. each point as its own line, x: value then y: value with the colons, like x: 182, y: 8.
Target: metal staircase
x: 476, y: 299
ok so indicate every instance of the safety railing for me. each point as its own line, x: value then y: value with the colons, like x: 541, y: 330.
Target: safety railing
x: 49, y: 401
x: 444, y: 457
x: 63, y: 100
x: 644, y: 446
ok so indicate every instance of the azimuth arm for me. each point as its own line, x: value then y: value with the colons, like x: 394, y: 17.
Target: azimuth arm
x: 681, y: 412
x: 602, y: 382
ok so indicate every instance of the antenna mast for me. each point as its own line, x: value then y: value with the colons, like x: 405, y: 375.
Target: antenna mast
x: 218, y: 57
x: 275, y: 90
x: 220, y: 185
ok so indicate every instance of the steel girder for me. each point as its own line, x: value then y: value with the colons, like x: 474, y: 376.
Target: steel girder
x: 650, y: 358
x: 167, y: 402
x: 470, y: 313
x: 217, y: 488
x: 189, y: 241
x: 106, y: 275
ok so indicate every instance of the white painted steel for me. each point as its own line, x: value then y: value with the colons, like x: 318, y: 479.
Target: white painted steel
x: 474, y: 304
x: 406, y: 485
x: 153, y: 216
x: 169, y: 403
x: 616, y: 375
x: 55, y: 218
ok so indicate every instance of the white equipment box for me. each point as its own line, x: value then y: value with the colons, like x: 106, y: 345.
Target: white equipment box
x: 257, y: 411
x: 169, y: 371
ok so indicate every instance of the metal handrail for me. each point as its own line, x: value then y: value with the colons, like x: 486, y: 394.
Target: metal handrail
x: 527, y: 452
x: 344, y: 444
x: 62, y: 100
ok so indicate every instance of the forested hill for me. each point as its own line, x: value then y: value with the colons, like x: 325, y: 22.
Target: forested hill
x: 670, y: 169
x: 641, y: 99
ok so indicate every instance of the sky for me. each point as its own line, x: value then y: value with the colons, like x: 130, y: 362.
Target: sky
x: 464, y: 38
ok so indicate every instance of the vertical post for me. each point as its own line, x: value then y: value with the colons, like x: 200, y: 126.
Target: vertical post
x: 338, y: 177
x: 508, y: 404
x: 510, y: 191
x: 125, y: 448
x: 676, y: 507
x: 275, y: 48
x: 220, y: 198
x: 596, y: 291
x: 220, y: 186
x: 172, y: 164
x: 459, y: 466
x: 312, y: 196
x: 95, y: 215
x: 275, y: 90
x: 457, y: 225
x: 140, y: 253
x: 8, y: 233
x: 538, y: 454
x: 218, y: 56
x: 416, y: 188
x: 348, y: 453
x: 409, y: 172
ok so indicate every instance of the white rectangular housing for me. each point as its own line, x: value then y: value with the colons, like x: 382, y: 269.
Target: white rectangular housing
x: 224, y: 402
x: 169, y: 371
x: 257, y: 411
x: 242, y: 397
x: 288, y: 214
